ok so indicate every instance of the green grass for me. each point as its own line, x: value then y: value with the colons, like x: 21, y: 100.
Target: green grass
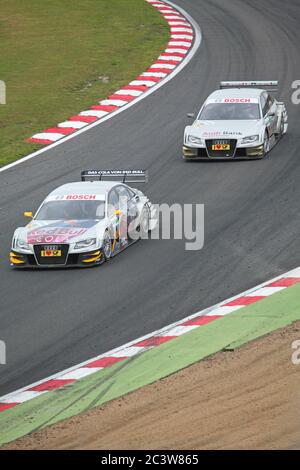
x: 53, y: 53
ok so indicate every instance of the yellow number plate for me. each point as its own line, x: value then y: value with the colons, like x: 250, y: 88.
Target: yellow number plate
x: 50, y: 253
x: 221, y: 147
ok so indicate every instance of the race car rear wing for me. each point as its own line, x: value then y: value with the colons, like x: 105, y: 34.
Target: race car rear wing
x: 125, y: 176
x: 266, y: 85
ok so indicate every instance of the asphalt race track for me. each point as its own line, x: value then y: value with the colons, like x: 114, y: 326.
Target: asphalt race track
x: 51, y: 320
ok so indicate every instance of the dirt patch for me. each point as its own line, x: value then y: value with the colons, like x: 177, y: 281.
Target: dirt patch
x: 247, y: 398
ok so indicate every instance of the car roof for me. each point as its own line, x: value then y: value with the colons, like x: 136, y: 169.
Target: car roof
x: 236, y: 93
x: 86, y: 187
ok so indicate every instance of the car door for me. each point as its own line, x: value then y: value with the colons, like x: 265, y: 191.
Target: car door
x: 273, y: 116
x: 113, y: 206
x: 269, y: 110
x: 128, y: 204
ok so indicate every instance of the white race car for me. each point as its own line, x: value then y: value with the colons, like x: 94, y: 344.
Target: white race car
x: 241, y: 120
x: 85, y: 223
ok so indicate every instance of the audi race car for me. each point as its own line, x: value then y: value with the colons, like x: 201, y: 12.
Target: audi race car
x: 240, y: 120
x: 85, y: 223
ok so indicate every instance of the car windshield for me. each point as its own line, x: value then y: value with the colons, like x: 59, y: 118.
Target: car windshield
x: 229, y: 111
x: 71, y: 210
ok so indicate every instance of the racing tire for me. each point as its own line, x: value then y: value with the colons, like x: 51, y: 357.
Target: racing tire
x: 266, y: 145
x: 107, y: 247
x: 281, y: 131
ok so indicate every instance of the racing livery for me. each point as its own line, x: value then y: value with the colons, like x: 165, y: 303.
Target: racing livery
x: 240, y: 120
x: 85, y: 223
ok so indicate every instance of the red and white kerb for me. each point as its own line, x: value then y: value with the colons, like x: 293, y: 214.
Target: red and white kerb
x: 152, y: 340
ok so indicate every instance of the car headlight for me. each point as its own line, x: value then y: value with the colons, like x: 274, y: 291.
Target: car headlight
x: 85, y: 243
x: 195, y: 140
x: 22, y: 244
x: 250, y: 139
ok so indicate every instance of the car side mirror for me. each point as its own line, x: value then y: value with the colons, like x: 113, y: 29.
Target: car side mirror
x: 28, y: 214
x: 191, y: 115
x: 118, y: 212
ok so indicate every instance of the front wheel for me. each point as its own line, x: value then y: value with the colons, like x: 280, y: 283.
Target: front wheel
x: 107, y: 247
x: 266, y: 144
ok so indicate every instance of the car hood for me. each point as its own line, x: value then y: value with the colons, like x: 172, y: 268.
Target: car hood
x: 225, y: 129
x: 61, y: 231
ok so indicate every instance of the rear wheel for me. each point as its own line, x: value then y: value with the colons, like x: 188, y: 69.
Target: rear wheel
x: 281, y: 132
x: 144, y: 222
